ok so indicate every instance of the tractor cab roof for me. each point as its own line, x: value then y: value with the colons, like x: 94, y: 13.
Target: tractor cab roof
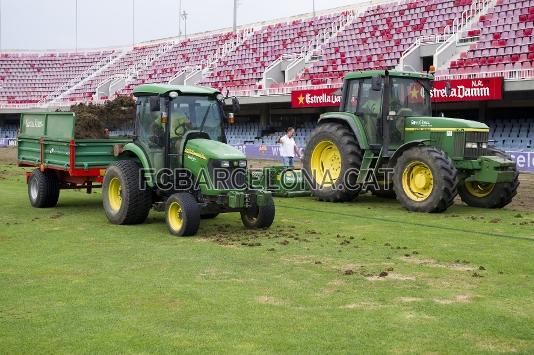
x: 397, y: 73
x: 163, y: 89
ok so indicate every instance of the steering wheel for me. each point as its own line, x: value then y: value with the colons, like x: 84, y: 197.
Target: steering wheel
x: 182, y: 127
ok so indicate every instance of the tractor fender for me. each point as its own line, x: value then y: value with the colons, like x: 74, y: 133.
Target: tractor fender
x: 403, y: 148
x: 132, y: 150
x: 352, y: 121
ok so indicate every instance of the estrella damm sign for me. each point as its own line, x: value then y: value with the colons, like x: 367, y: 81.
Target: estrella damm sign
x: 315, y: 98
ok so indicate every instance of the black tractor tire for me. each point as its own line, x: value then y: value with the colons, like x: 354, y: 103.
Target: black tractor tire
x: 350, y: 159
x: 258, y: 217
x: 43, y: 189
x: 490, y: 195
x: 444, y: 180
x: 209, y: 215
x: 125, y: 200
x: 182, y: 214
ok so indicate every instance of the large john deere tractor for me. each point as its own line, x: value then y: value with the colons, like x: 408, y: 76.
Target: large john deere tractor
x: 179, y: 163
x: 385, y: 129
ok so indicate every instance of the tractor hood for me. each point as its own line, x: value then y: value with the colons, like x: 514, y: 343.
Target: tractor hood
x: 210, y: 149
x: 444, y: 123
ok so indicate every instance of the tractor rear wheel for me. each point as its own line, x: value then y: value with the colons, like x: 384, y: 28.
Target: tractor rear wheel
x: 125, y: 202
x: 332, y: 159
x: 258, y: 217
x: 43, y: 189
x: 182, y: 215
x: 487, y: 195
x: 425, y: 180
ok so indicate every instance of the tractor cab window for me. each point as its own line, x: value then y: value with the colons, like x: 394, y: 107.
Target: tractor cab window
x: 150, y: 128
x: 369, y: 109
x: 195, y: 113
x: 409, y: 98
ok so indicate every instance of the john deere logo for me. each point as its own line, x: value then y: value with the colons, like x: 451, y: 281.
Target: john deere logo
x: 195, y: 154
x: 420, y: 123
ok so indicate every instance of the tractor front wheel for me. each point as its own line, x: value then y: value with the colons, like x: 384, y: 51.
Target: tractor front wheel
x: 425, y: 180
x: 182, y: 215
x: 333, y: 159
x: 125, y: 201
x: 486, y: 195
x: 258, y: 217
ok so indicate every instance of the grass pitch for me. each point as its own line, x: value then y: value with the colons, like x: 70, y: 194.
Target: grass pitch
x: 362, y: 277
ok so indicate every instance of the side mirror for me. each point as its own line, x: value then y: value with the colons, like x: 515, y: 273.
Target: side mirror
x: 154, y: 104
x: 376, y: 83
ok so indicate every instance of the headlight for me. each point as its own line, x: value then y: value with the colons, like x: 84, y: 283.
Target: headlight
x: 471, y: 145
x: 225, y: 164
x: 484, y: 145
x: 242, y: 163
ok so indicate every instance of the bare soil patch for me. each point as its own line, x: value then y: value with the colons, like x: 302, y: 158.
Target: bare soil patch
x: 270, y: 300
x: 8, y: 155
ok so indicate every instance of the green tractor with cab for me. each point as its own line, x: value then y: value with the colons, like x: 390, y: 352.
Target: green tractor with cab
x: 384, y: 139
x: 179, y: 163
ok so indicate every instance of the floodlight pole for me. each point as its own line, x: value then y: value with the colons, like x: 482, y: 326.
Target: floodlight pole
x: 180, y: 19
x: 76, y: 26
x: 0, y: 24
x: 184, y: 15
x: 133, y: 22
x: 313, y: 6
x: 235, y: 16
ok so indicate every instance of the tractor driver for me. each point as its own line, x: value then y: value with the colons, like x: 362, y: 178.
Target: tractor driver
x: 180, y: 124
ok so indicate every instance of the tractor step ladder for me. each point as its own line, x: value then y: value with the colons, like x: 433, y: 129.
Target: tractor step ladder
x: 369, y: 163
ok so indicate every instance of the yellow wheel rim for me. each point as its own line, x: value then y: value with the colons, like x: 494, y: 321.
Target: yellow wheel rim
x: 174, y: 216
x: 114, y: 194
x: 417, y: 181
x: 479, y: 189
x: 326, y: 163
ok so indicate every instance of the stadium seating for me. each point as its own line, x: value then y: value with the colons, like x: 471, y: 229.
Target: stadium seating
x: 8, y: 130
x: 505, y: 45
x: 117, y: 69
x: 193, y: 53
x: 243, y: 69
x: 27, y: 78
x: 513, y: 135
x: 377, y: 39
x: 252, y: 133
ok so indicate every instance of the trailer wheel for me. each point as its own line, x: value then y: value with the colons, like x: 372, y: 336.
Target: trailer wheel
x: 485, y: 195
x: 425, y: 180
x: 43, y: 189
x: 125, y: 202
x: 258, y: 217
x: 182, y: 215
x: 332, y: 157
